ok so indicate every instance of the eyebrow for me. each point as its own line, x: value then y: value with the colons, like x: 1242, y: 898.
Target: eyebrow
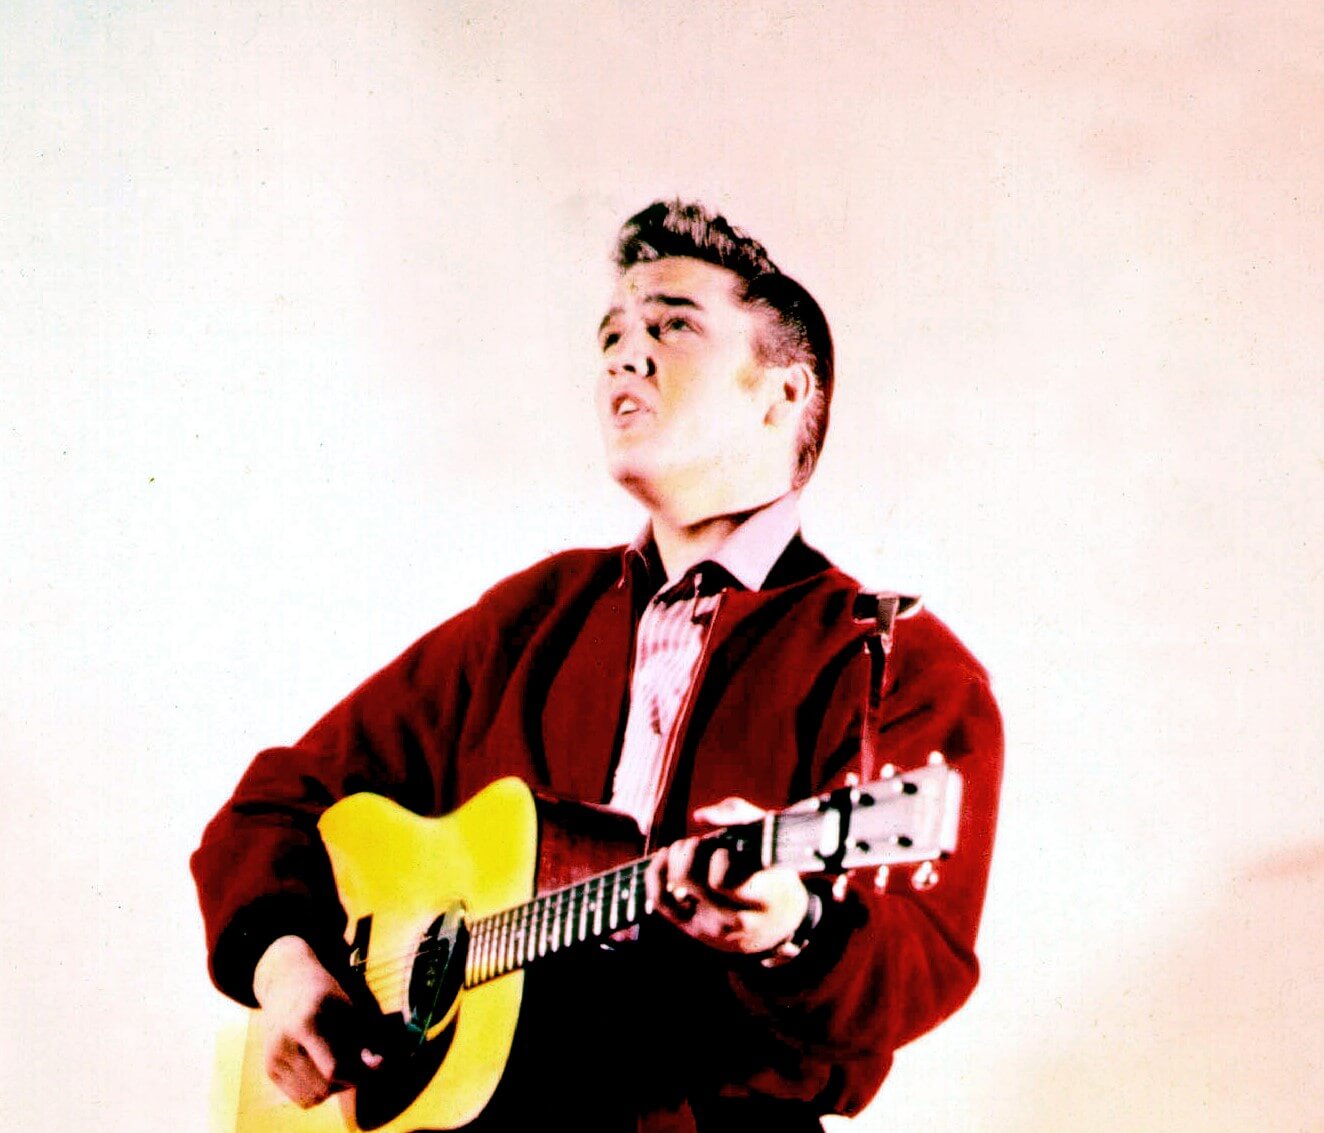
x: 683, y: 302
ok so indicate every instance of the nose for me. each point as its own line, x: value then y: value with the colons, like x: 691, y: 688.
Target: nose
x: 633, y: 355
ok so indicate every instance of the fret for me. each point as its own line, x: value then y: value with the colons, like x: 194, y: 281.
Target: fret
x: 512, y: 939
x: 597, y: 906
x: 523, y: 936
x: 498, y: 928
x: 476, y: 948
x: 502, y: 924
x: 630, y: 906
x: 583, y: 911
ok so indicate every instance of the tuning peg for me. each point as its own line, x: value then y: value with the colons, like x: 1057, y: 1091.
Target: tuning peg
x: 889, y: 770
x: 925, y: 877
x: 853, y: 783
x: 936, y: 759
x: 881, y: 874
x: 839, y: 884
x: 857, y: 797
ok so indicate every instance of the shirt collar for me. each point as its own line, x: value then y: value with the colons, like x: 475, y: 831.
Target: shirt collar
x: 750, y: 552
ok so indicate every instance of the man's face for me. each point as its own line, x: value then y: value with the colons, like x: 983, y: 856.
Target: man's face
x: 681, y: 398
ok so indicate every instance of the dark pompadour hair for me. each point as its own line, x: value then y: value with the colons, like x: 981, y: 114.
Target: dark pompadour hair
x: 795, y: 330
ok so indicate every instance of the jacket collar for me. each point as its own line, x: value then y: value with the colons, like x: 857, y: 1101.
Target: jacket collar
x: 749, y: 555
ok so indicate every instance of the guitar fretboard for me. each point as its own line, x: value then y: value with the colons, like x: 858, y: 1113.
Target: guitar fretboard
x: 592, y: 909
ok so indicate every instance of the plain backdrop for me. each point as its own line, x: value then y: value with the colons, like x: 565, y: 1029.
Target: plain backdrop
x: 297, y: 304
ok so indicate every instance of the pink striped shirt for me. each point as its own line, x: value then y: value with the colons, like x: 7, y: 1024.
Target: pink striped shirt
x: 669, y: 643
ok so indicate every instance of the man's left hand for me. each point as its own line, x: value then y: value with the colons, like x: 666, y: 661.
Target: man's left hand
x: 691, y: 890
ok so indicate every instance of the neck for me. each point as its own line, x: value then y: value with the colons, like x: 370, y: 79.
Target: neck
x: 682, y: 542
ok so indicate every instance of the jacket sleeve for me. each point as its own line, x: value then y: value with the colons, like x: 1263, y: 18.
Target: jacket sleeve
x: 882, y: 968
x: 261, y: 871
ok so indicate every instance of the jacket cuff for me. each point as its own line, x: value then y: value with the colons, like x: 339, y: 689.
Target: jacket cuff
x: 821, y: 948
x: 242, y: 943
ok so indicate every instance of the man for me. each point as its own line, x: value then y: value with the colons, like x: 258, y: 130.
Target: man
x: 715, y: 668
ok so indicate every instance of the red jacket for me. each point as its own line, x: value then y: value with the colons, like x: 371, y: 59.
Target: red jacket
x: 533, y: 681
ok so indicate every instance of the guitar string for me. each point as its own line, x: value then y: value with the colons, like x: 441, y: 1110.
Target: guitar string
x: 546, y: 919
x: 532, y: 918
x: 490, y: 956
x: 526, y: 916
x: 540, y: 919
x: 515, y: 938
x: 492, y: 952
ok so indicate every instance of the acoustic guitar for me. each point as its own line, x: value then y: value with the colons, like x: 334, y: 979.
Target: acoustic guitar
x: 446, y: 914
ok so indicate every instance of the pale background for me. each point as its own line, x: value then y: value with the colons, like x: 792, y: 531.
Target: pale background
x: 296, y: 315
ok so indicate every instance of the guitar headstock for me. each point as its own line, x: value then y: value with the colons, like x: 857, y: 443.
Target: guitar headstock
x: 905, y: 817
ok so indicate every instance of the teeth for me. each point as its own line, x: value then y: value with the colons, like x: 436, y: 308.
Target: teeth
x: 627, y: 405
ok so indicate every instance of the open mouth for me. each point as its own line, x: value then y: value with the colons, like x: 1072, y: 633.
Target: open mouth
x: 625, y: 406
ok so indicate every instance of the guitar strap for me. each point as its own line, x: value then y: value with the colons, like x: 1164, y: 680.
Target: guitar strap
x: 879, y: 611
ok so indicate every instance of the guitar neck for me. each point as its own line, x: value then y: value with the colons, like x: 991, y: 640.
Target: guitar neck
x: 590, y: 910
x: 900, y: 819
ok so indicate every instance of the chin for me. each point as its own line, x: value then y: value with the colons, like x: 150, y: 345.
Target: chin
x: 634, y: 476
x: 627, y: 462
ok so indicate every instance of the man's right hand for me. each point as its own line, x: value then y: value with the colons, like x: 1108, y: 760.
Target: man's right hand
x: 313, y: 1038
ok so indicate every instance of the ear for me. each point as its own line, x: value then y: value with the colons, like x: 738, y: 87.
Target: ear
x: 789, y: 388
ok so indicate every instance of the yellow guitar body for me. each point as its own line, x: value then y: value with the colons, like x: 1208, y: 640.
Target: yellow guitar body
x: 403, y: 871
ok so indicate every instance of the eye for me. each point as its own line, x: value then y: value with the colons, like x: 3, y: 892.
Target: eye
x: 672, y: 325
x: 608, y: 340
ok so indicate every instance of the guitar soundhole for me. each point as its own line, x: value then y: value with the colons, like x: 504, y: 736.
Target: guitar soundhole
x: 436, y: 979
x: 437, y: 974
